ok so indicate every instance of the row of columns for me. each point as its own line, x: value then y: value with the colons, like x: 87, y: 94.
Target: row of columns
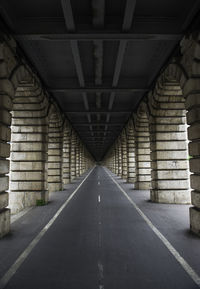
x: 39, y: 150
x: 162, y: 138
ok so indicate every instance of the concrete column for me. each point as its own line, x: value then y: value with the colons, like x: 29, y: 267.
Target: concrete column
x: 28, y: 148
x: 124, y: 155
x: 55, y: 142
x: 143, y: 161
x: 73, y: 157
x: 131, y: 176
x: 6, y: 95
x: 170, y: 183
x: 66, y: 155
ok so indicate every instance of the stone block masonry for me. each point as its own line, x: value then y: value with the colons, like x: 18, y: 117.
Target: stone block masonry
x: 33, y: 148
x: 169, y: 153
x: 157, y: 147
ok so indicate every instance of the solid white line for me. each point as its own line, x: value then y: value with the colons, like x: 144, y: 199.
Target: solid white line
x: 195, y: 277
x: 99, y: 199
x: 9, y: 274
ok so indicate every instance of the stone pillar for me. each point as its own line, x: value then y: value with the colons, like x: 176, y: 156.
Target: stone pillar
x: 170, y: 183
x: 83, y: 160
x: 113, y: 160
x: 131, y: 177
x: 66, y: 155
x: 55, y: 153
x: 77, y: 157
x: 80, y: 158
x: 190, y: 48
x: 116, y: 158
x: 119, y: 151
x: 28, y: 148
x: 143, y: 166
x: 6, y: 94
x: 124, y: 155
x: 73, y: 156
x: 192, y: 93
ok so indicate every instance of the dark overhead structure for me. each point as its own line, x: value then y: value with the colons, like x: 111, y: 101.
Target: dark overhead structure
x: 98, y: 58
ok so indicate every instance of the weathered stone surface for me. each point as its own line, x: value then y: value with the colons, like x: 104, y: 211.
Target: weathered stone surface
x: 4, y: 222
x: 195, y: 220
x: 195, y: 195
x: 3, y: 183
x: 4, y: 166
x: 194, y: 132
x: 171, y: 196
x: 169, y: 164
x: 5, y: 133
x: 4, y: 150
x: 192, y: 100
x: 195, y: 165
x: 19, y: 200
x: 194, y: 148
x: 195, y: 182
x: 170, y: 184
x: 3, y: 200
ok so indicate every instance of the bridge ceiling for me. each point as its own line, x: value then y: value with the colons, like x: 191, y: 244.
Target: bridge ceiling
x: 98, y: 58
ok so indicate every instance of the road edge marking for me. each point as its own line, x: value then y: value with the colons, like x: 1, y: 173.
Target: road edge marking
x: 15, y: 266
x: 191, y: 272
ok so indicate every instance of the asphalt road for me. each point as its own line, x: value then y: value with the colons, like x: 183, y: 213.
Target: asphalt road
x: 100, y: 241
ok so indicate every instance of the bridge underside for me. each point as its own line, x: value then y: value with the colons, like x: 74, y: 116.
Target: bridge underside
x: 102, y: 83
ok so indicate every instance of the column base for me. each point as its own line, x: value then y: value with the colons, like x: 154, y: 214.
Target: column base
x: 4, y: 222
x: 18, y: 201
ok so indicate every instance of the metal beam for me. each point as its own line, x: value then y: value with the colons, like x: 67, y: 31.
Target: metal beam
x: 98, y: 7
x: 85, y: 130
x: 97, y: 124
x: 99, y: 89
x: 98, y: 111
x: 100, y: 36
x: 127, y: 22
x: 128, y: 15
x: 98, y: 137
x: 77, y: 62
x: 70, y: 25
x: 68, y: 15
x: 96, y: 133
